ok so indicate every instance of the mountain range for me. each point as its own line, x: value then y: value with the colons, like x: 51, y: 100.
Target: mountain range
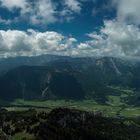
x: 60, y: 77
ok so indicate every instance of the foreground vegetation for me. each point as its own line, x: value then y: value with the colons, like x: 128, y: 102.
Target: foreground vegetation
x: 65, y: 124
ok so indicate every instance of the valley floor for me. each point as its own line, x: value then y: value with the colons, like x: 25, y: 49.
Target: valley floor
x: 113, y: 108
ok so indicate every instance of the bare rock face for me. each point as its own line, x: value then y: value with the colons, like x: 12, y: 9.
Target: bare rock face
x: 3, y: 136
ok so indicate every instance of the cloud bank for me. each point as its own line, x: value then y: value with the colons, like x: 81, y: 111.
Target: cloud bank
x: 119, y: 36
x: 31, y: 42
x: 128, y: 11
x: 116, y: 39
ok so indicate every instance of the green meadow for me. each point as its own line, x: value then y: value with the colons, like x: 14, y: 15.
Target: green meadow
x: 114, y: 107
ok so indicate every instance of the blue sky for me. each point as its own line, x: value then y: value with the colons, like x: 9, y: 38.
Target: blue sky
x: 80, y: 24
x: 69, y: 27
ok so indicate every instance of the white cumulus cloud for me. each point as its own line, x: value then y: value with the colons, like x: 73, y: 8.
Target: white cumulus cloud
x: 31, y: 42
x: 116, y: 39
x: 128, y: 10
x: 73, y: 5
x: 14, y: 4
x: 42, y: 12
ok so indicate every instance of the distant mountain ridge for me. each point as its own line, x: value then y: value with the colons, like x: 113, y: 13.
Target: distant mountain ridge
x: 60, y: 77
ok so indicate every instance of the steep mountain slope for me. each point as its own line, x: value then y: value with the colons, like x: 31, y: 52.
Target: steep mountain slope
x: 57, y: 77
x: 39, y: 82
